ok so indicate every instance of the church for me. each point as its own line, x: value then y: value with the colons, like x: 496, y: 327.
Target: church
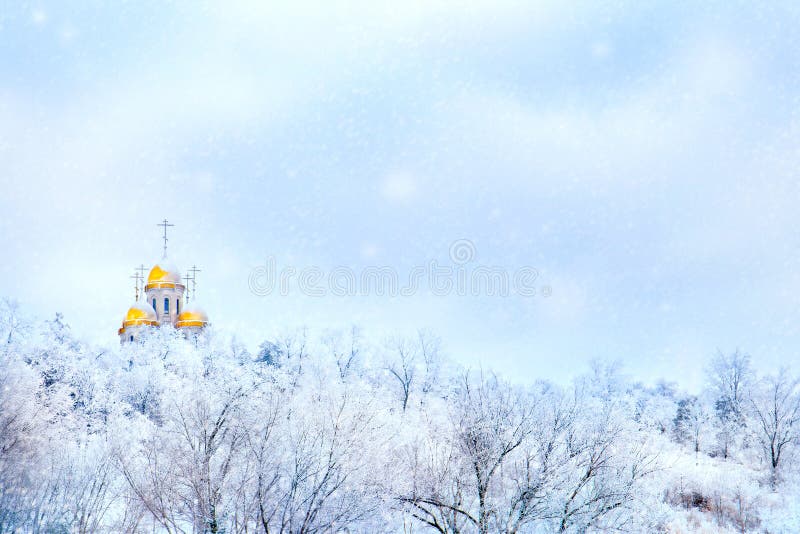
x: 166, y: 301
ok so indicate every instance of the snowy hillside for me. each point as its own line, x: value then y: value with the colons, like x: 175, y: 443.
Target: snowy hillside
x: 336, y: 433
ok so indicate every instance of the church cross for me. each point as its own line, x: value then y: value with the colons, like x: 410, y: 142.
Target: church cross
x: 141, y: 269
x: 165, y: 224
x: 187, y: 278
x: 194, y: 270
x: 138, y: 278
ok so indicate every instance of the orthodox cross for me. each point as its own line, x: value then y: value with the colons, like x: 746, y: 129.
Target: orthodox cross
x: 141, y: 269
x: 137, y: 277
x: 194, y: 270
x: 187, y: 278
x: 165, y: 224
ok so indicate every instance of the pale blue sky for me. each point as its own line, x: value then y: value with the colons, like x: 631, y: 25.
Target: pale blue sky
x: 643, y: 156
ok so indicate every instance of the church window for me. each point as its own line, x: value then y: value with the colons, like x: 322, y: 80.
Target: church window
x: 178, y: 306
x: 166, y: 305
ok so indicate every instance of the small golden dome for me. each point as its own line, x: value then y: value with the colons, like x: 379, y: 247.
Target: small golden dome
x: 192, y: 317
x: 140, y: 313
x: 162, y: 275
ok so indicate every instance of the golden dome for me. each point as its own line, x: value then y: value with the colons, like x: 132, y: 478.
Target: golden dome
x: 140, y: 313
x: 162, y: 275
x: 192, y: 317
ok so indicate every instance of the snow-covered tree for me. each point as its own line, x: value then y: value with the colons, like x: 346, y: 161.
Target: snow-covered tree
x: 335, y: 434
x: 729, y: 378
x: 692, y: 422
x: 775, y: 419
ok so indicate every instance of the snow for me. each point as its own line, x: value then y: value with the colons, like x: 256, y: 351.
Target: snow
x: 144, y: 306
x: 184, y: 434
x: 173, y: 274
x: 195, y: 308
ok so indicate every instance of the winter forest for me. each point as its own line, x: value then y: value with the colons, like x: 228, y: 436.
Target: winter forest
x: 337, y: 432
x: 482, y: 267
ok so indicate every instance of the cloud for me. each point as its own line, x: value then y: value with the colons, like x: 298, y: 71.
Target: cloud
x: 643, y: 130
x: 265, y: 126
x: 399, y: 187
x: 39, y: 17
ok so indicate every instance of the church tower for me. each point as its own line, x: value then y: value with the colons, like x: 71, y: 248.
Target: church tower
x: 165, y: 297
x: 164, y: 292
